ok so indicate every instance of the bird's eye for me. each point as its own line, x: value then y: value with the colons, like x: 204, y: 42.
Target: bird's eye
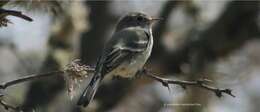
x: 140, y: 18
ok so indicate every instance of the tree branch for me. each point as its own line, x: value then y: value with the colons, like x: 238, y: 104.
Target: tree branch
x: 3, y: 13
x: 27, y: 78
x: 74, y: 71
x: 21, y: 80
x: 199, y: 83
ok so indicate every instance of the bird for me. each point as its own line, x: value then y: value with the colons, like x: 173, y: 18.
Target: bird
x: 124, y: 54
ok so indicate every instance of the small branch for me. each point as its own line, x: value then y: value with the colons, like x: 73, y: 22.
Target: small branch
x: 4, y: 13
x: 27, y: 78
x: 74, y: 71
x: 21, y: 80
x: 199, y: 83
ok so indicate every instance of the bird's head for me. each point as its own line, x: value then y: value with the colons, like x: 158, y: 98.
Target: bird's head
x: 136, y: 19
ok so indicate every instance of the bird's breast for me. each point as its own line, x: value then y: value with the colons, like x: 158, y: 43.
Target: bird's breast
x: 129, y: 68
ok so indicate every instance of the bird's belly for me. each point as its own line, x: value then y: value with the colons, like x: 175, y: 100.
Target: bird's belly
x: 128, y: 69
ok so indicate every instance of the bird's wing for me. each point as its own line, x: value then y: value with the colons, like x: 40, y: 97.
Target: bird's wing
x: 122, y: 46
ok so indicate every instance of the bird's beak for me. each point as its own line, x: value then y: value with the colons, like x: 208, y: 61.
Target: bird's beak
x: 156, y: 19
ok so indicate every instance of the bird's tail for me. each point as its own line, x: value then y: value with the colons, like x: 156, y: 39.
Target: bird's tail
x: 90, y: 91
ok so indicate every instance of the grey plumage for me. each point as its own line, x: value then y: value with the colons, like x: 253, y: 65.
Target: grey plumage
x: 124, y: 54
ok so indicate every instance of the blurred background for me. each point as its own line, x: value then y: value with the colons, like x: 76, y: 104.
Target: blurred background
x: 214, y: 39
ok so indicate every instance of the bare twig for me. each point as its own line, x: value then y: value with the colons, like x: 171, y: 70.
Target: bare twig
x: 27, y: 78
x: 199, y: 83
x: 4, y: 13
x: 5, y: 85
x: 20, y: 80
x: 74, y: 71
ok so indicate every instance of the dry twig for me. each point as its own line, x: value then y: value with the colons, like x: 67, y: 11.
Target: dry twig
x: 28, y: 78
x: 18, y: 81
x: 199, y: 83
x: 74, y: 71
x: 4, y: 13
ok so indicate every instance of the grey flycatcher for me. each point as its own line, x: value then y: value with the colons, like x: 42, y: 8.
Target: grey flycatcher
x: 124, y: 54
